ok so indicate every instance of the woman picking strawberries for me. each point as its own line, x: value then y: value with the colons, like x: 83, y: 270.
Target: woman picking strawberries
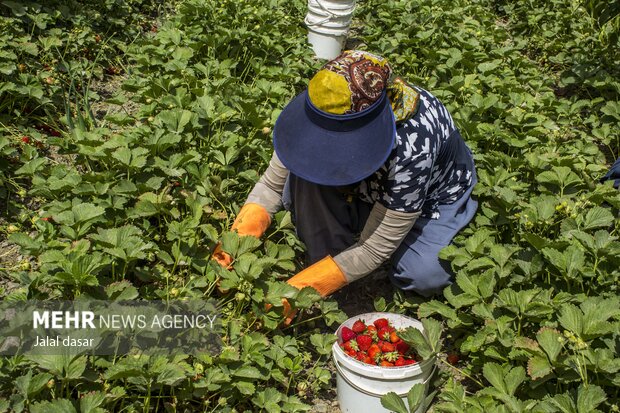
x: 371, y: 169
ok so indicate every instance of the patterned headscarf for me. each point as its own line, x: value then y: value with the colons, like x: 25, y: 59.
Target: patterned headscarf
x: 355, y: 80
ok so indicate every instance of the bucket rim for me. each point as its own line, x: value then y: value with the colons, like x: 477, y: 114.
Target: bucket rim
x: 396, y: 372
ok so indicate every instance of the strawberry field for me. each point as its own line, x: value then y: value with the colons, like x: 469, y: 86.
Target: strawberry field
x: 132, y: 131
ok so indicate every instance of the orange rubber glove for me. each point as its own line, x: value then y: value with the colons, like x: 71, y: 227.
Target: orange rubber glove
x: 324, y: 276
x: 253, y: 219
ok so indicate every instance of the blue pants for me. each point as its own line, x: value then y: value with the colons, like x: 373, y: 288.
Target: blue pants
x: 614, y: 173
x: 329, y: 220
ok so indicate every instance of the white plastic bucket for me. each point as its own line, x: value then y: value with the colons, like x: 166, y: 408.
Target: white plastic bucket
x: 360, y: 386
x: 326, y: 46
x: 328, y: 23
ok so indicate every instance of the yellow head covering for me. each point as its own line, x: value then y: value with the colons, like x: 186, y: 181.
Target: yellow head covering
x: 355, y: 80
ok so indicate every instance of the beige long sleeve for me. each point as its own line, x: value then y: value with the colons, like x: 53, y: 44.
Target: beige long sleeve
x: 383, y: 232
x: 268, y: 190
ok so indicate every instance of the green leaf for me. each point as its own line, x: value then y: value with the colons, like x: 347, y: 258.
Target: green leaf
x: 277, y: 291
x: 514, y: 378
x: 467, y: 284
x: 247, y: 244
x: 37, y: 383
x: 17, y: 8
x: 31, y: 167
x: 122, y: 371
x: 538, y: 367
x: 570, y: 261
x: 171, y: 375
x: 432, y: 331
x: 294, y: 405
x: 287, y: 344
x: 431, y: 307
x: 504, y: 379
x: 65, y: 365
x: 248, y: 372
x: 176, y: 120
x: 306, y: 297
x: 379, y: 304
x: 29, y: 386
x: 393, y: 403
x: 489, y: 66
x: 230, y: 242
x: 415, y: 396
x: 426, y: 344
x: 331, y: 313
x: 90, y: 402
x: 245, y: 387
x: 75, y: 368
x: 571, y: 318
x: 120, y: 291
x: 25, y: 242
x: 563, y: 402
x: 588, y: 398
x: 597, y: 217
x: 323, y: 342
x: 55, y: 406
x: 123, y: 155
x: 494, y: 373
x: 268, y: 400
x: 85, y: 212
x: 549, y: 340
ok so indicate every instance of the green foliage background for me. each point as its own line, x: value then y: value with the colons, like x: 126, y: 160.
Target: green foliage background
x: 131, y: 204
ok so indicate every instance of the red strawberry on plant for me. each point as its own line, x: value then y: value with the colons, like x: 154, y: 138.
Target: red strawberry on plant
x: 381, y: 323
x: 453, y: 358
x: 347, y: 334
x: 364, y: 341
x: 359, y: 327
x: 25, y: 139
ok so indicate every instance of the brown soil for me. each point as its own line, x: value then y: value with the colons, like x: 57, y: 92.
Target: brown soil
x: 10, y: 257
x: 107, y: 88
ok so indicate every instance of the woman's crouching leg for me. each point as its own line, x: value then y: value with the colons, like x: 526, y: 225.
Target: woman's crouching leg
x: 420, y: 270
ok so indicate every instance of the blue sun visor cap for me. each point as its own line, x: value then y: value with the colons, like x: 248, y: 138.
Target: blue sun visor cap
x: 334, y: 150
